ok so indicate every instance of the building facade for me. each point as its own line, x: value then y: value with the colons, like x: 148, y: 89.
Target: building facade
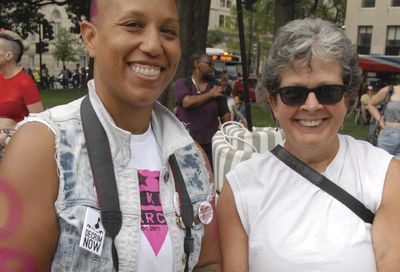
x: 374, y: 26
x: 220, y: 14
x: 58, y: 18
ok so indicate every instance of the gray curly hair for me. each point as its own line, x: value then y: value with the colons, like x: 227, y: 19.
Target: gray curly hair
x: 303, y: 40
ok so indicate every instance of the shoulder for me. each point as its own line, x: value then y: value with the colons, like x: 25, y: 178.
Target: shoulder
x: 363, y: 155
x: 362, y: 147
x: 252, y: 170
x: 58, y: 114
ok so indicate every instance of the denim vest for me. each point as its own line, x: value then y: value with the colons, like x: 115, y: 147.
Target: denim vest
x: 77, y: 192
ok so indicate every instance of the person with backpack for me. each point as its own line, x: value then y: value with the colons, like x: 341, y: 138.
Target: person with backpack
x: 201, y: 102
x: 112, y: 181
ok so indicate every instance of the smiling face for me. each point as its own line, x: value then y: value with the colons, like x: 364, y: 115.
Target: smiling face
x: 136, y: 49
x: 311, y: 125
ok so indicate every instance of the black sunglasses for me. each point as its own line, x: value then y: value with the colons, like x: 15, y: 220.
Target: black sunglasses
x: 326, y: 94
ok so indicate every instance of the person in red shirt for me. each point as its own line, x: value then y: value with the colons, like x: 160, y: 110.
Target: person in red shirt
x: 19, y: 95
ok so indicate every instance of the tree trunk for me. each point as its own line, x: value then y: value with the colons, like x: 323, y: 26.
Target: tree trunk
x: 193, y: 20
x: 284, y: 12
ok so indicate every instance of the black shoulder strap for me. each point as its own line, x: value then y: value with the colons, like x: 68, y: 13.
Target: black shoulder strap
x: 324, y: 183
x: 103, y: 172
x: 185, y: 207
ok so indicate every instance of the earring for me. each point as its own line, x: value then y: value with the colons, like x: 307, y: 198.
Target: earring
x: 275, y: 120
x: 277, y: 125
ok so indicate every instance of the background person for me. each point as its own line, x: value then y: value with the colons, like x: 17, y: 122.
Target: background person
x: 273, y: 219
x: 19, y: 95
x: 366, y: 116
x: 389, y: 137
x: 239, y: 110
x: 136, y: 51
x: 65, y: 75
x: 201, y: 102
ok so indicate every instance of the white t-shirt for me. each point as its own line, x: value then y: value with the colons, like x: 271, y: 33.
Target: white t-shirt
x: 292, y: 225
x: 155, y: 252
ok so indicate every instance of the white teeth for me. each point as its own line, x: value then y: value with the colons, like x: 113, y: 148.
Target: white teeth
x: 147, y: 71
x: 310, y: 123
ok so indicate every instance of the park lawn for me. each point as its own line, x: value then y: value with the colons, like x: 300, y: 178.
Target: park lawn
x: 54, y: 97
x: 261, y: 116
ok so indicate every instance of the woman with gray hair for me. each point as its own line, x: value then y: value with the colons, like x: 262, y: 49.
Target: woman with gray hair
x: 324, y: 201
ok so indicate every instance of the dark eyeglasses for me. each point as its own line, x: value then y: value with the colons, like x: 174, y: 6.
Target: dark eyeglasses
x: 326, y: 94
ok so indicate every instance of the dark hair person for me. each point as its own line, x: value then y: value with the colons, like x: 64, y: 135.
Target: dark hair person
x: 271, y: 217
x: 56, y: 222
x: 201, y: 102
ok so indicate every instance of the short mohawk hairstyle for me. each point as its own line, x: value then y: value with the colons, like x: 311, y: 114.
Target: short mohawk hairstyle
x: 93, y: 9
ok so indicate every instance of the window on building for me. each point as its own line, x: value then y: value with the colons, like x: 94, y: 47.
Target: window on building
x: 228, y: 21
x: 222, y: 3
x: 221, y: 21
x: 393, y: 40
x: 56, y: 28
x: 395, y: 3
x: 31, y: 61
x: 364, y: 39
x: 56, y: 21
x: 368, y: 3
x: 228, y: 3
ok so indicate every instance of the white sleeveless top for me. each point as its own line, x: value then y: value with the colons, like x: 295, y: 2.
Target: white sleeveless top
x: 292, y: 225
x: 155, y: 253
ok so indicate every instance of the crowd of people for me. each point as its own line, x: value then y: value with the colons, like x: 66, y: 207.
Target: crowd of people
x: 114, y: 181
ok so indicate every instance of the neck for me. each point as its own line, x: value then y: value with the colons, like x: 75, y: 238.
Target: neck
x: 10, y: 70
x: 197, y: 77
x: 136, y: 121
x: 132, y: 118
x: 317, y: 157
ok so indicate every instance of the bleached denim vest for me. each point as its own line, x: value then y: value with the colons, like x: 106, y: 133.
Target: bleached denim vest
x: 77, y: 192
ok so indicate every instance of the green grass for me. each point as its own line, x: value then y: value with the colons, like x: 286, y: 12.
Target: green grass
x: 261, y: 116
x: 54, y: 97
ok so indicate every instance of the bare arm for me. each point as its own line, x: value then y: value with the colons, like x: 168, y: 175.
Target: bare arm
x: 35, y: 107
x: 210, y: 254
x: 29, y: 185
x: 194, y: 101
x: 226, y: 117
x: 375, y: 100
x: 234, y: 240
x: 386, y: 226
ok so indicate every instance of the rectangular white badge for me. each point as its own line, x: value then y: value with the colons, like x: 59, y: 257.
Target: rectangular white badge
x: 93, y: 234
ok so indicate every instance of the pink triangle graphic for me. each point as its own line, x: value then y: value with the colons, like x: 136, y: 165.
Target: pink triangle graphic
x: 156, y: 238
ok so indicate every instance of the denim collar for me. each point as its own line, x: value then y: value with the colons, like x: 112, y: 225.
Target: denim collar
x: 170, y: 133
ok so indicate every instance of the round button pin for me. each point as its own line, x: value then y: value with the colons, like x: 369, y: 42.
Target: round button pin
x: 205, y: 212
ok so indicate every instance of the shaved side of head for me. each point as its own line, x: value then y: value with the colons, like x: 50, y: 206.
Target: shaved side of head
x: 94, y: 11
